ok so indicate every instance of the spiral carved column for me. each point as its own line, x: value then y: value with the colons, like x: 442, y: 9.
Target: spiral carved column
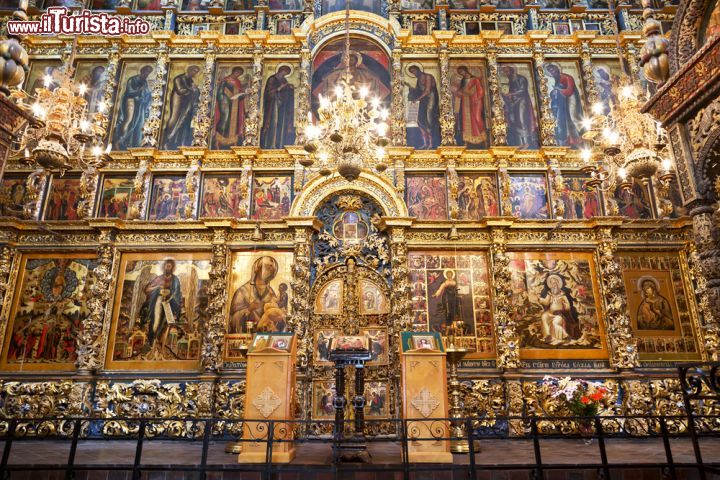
x: 214, y: 334
x: 508, y: 340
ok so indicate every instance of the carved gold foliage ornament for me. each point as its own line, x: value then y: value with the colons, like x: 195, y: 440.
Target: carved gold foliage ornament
x: 508, y: 340
x: 252, y: 107
x: 425, y: 402
x: 709, y: 327
x: 397, y: 106
x: 300, y: 300
x: 547, y: 120
x: 266, y: 402
x: 214, y: 332
x: 623, y: 345
x: 447, y: 117
x: 498, y: 123
x: 151, y: 129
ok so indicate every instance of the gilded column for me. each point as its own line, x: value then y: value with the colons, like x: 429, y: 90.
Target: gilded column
x: 498, y: 125
x: 35, y: 187
x: 252, y: 109
x: 452, y: 179
x: 214, y: 334
x: 303, y: 92
x: 587, y: 74
x: 707, y: 269
x: 401, y: 287
x: 111, y: 84
x: 202, y: 120
x: 141, y: 185
x: 397, y: 109
x: 151, y: 129
x: 623, y: 346
x: 245, y: 187
x: 91, y: 340
x: 710, y: 329
x: 88, y: 189
x: 558, y: 185
x: 631, y: 56
x: 547, y: 121
x: 508, y: 340
x: 399, y: 163
x: 7, y: 256
x: 192, y: 186
x: 447, y: 118
x: 505, y: 190
x: 300, y: 285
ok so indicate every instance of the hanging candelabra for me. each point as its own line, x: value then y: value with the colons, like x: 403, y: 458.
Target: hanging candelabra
x: 350, y: 132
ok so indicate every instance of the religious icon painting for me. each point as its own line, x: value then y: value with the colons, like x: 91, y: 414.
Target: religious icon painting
x: 369, y: 66
x: 93, y: 74
x: 195, y: 5
x: 660, y: 302
x: 635, y: 202
x: 323, y: 400
x: 676, y: 200
x: 281, y: 342
x: 606, y: 76
x: 561, y: 28
x: 13, y: 196
x: 472, y: 28
x: 424, y: 342
x: 278, y: 104
x: 591, y: 26
x: 115, y: 196
x: 579, y: 200
x: 159, y: 311
x: 132, y: 104
x: 182, y: 96
x: 260, y: 289
x: 556, y: 305
x: 148, y: 5
x: 43, y: 74
x: 376, y: 404
x: 222, y: 197
x: 554, y: 4
x: 232, y: 79
x: 285, y: 4
x: 378, y: 344
x: 420, y: 27
x: 271, y: 196
x: 283, y: 26
x: 329, y: 299
x: 426, y: 196
x: 417, y: 4
x: 488, y: 26
x: 451, y: 290
x: 505, y: 27
x: 239, y: 5
x: 507, y: 5
x: 104, y: 4
x: 323, y: 338
x: 566, y: 97
x: 260, y: 342
x: 169, y: 199
x: 529, y: 196
x: 471, y: 103
x: 422, y: 104
x: 62, y: 199
x: 517, y: 88
x: 371, y: 6
x: 464, y: 4
x: 372, y: 299
x: 47, y: 313
x: 477, y: 196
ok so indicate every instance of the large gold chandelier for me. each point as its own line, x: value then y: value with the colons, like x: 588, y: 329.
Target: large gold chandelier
x: 62, y: 135
x: 626, y: 145
x: 351, y: 130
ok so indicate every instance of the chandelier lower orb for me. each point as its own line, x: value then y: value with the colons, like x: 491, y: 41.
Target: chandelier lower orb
x: 350, y: 131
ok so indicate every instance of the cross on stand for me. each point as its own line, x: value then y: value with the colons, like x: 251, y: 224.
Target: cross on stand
x: 350, y: 351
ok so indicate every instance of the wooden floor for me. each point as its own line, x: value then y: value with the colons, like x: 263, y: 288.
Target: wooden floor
x: 497, y: 454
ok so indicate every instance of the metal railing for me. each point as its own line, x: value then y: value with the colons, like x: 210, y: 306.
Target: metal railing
x: 209, y: 432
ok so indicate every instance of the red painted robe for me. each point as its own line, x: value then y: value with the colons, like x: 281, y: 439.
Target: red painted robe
x: 470, y: 99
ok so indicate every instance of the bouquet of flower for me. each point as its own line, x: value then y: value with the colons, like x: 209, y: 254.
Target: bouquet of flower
x: 583, y: 397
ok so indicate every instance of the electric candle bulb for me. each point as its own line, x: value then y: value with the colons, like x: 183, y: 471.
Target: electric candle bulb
x: 97, y: 151
x: 364, y: 91
x: 82, y: 88
x: 380, y: 152
x: 338, y: 91
x: 47, y: 81
x: 597, y: 108
x: 84, y: 125
x: 587, y: 123
x: 666, y: 164
x: 101, y: 107
x: 623, y: 173
x: 375, y: 102
x: 586, y: 154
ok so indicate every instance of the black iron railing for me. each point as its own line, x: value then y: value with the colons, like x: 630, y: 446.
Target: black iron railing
x: 211, y: 432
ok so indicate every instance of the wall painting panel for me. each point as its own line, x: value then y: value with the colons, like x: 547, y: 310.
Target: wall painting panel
x: 132, y: 105
x: 271, y: 196
x: 477, y: 196
x: 231, y: 83
x: 115, y: 196
x: 13, y: 196
x: 222, y: 197
x: 181, y: 103
x: 517, y: 86
x: 278, y: 104
x: 47, y: 312
x: 557, y: 306
x: 447, y: 287
x: 566, y: 101
x: 426, y: 196
x: 579, y: 200
x: 529, y: 196
x: 422, y: 104
x: 62, y: 199
x: 471, y: 105
x: 159, y: 311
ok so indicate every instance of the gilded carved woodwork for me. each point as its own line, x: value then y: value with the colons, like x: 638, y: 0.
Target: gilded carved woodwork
x: 709, y: 326
x: 508, y: 340
x: 547, y: 120
x: 91, y: 340
x: 447, y: 117
x: 397, y: 106
x: 202, y: 123
x: 498, y: 123
x: 252, y: 120
x: 151, y: 129
x: 623, y: 345
x: 211, y: 357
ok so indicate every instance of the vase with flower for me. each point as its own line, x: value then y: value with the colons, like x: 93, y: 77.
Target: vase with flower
x: 583, y: 399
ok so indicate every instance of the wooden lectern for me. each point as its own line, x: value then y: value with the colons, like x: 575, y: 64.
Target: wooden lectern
x: 424, y: 397
x: 269, y: 395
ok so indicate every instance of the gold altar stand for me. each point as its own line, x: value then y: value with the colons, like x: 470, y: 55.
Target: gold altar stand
x: 270, y: 395
x: 424, y: 396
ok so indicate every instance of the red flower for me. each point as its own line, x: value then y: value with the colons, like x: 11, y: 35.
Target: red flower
x: 596, y: 396
x: 585, y: 400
